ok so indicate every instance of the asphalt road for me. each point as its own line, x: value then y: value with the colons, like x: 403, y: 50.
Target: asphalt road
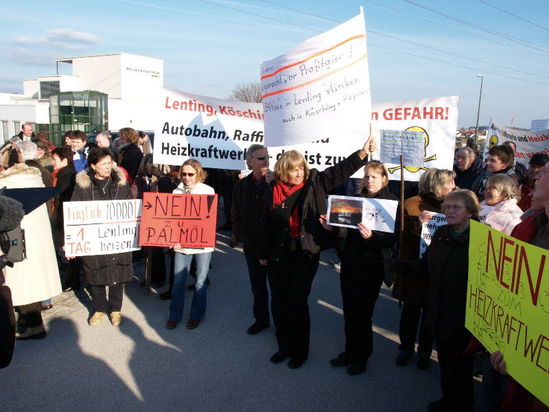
x: 144, y: 366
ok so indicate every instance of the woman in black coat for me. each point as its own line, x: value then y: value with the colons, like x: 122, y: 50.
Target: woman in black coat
x: 361, y: 273
x: 290, y: 241
x: 102, y: 181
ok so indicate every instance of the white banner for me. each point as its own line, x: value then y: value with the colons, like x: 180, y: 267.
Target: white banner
x: 320, y: 89
x: 214, y: 131
x: 528, y: 142
x: 101, y: 227
x: 428, y: 229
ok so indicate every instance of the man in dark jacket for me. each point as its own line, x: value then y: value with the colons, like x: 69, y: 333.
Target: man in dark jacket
x: 246, y: 209
x: 468, y: 166
x: 500, y: 160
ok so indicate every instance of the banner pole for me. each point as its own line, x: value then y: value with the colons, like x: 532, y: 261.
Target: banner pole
x: 401, y: 234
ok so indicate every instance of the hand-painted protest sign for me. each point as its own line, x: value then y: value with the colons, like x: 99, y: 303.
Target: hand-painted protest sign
x: 376, y: 214
x: 185, y: 219
x: 508, y: 304
x: 428, y: 229
x: 409, y: 144
x: 214, y: 131
x: 528, y: 142
x: 101, y: 227
x: 320, y: 89
x: 435, y: 117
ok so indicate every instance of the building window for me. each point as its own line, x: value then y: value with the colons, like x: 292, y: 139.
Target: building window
x: 48, y: 88
x: 5, y: 131
x: 16, y: 127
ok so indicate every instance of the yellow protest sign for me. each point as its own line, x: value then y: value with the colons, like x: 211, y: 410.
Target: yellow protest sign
x: 508, y: 304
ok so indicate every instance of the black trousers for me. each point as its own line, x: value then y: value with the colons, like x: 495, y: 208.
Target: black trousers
x: 99, y: 298
x: 410, y: 318
x: 260, y: 290
x: 290, y: 280
x: 30, y: 315
x: 456, y: 371
x: 360, y: 285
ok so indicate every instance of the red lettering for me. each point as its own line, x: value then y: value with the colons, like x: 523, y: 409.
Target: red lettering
x: 491, y: 246
x: 504, y: 258
x: 416, y: 114
x: 167, y: 105
x: 534, y: 289
x: 428, y: 113
x: 387, y: 114
x: 439, y: 113
x: 398, y: 113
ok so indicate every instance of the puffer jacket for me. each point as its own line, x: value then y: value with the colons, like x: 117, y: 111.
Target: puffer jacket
x: 112, y: 269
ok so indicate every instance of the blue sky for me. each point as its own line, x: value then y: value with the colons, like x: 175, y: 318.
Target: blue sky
x: 209, y: 46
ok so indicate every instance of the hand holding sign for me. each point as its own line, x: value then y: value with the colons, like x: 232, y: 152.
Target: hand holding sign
x: 364, y: 231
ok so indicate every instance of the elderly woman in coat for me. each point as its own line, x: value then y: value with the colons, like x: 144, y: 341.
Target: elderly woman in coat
x: 36, y: 278
x: 104, y: 181
x: 499, y: 208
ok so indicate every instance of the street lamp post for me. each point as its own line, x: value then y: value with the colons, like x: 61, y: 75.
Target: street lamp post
x: 478, y: 110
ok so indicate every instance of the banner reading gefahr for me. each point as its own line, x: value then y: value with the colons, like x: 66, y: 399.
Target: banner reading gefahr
x: 319, y: 90
x: 508, y: 304
x: 214, y: 131
x: 528, y: 142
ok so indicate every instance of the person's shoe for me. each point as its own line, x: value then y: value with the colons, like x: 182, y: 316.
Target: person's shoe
x: 355, y: 369
x: 165, y: 295
x: 295, y: 363
x: 256, y: 328
x: 36, y: 332
x: 171, y: 324
x: 116, y: 318
x: 47, y: 307
x: 96, y: 318
x: 278, y: 357
x: 424, y: 361
x: 193, y: 323
x: 339, y: 360
x: 403, y: 357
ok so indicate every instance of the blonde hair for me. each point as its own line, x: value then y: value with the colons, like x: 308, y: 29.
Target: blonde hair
x: 469, y: 199
x: 378, y: 167
x: 196, y: 165
x: 288, y: 162
x: 503, y: 184
x: 433, y: 179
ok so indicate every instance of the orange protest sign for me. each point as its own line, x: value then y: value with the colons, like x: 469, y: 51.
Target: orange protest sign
x: 168, y: 219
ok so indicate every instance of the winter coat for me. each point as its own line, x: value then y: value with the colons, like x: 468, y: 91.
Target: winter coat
x: 311, y: 203
x: 111, y: 269
x: 465, y: 179
x: 65, y: 180
x: 413, y: 291
x: 480, y: 182
x: 37, y: 277
x: 130, y: 159
x: 504, y: 216
x: 246, y: 212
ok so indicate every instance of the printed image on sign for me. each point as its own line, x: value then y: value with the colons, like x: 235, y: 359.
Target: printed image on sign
x: 376, y: 214
x: 216, y: 132
x: 528, y: 142
x: 428, y: 229
x: 101, y: 227
x: 169, y: 219
x: 508, y: 304
x: 401, y: 142
x: 320, y: 89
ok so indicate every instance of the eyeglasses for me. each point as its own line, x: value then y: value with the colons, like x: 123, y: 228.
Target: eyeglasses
x: 187, y: 174
x: 261, y: 157
x: 453, y: 207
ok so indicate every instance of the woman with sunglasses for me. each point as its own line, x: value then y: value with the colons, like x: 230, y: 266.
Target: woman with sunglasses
x: 192, y: 176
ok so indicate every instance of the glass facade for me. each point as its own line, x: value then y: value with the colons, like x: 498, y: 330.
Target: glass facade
x: 85, y: 110
x: 47, y: 88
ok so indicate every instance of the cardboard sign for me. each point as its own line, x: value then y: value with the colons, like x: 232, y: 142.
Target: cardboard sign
x: 101, y: 227
x: 428, y: 229
x: 376, y: 214
x: 169, y: 219
x: 409, y: 144
x: 320, y: 89
x: 508, y: 304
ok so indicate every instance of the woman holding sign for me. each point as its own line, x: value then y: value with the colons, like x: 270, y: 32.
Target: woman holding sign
x: 290, y: 242
x: 361, y: 273
x: 192, y: 176
x: 104, y: 181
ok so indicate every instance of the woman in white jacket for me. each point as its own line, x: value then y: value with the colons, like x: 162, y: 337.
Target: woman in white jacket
x: 192, y: 177
x: 499, y: 208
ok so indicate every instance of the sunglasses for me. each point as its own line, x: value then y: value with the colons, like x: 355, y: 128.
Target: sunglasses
x: 261, y: 157
x: 187, y: 174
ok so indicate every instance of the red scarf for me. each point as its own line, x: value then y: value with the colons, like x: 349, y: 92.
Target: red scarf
x: 281, y: 191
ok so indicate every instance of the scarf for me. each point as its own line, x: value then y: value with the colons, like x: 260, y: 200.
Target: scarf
x: 281, y: 192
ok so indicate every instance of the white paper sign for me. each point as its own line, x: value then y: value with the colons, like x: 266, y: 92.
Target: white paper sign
x: 377, y: 214
x: 401, y: 142
x: 483, y: 213
x: 428, y: 229
x: 101, y: 227
x: 320, y: 89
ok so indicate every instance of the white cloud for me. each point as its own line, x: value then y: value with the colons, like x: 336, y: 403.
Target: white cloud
x: 61, y: 38
x: 31, y: 57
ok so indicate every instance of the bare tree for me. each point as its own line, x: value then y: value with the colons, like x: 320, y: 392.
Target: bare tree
x: 247, y: 92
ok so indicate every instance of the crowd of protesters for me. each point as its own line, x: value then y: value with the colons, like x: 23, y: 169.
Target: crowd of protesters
x: 280, y: 217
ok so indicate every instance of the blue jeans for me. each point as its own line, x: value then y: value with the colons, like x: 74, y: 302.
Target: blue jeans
x: 182, y: 266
